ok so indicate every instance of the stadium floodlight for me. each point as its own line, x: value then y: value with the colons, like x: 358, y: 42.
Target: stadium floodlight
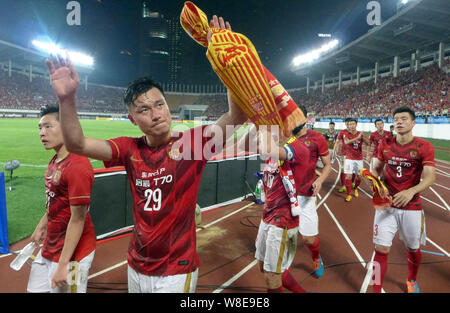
x: 315, y: 54
x: 75, y: 57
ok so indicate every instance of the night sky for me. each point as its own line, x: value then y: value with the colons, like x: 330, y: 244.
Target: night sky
x: 280, y: 30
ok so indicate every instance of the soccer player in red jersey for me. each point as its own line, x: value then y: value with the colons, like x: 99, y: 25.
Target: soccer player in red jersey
x: 308, y: 187
x: 353, y: 157
x: 164, y: 170
x: 66, y: 229
x: 276, y: 241
x: 340, y: 149
x: 402, y: 162
x: 375, y: 139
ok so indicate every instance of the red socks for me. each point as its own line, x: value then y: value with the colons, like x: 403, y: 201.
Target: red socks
x: 315, y: 249
x: 414, y: 259
x: 342, y: 179
x: 276, y: 290
x: 348, y: 185
x: 357, y: 182
x: 379, y: 271
x: 289, y: 282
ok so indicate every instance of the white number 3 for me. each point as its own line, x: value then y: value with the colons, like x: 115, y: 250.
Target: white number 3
x: 399, y: 171
x: 155, y: 197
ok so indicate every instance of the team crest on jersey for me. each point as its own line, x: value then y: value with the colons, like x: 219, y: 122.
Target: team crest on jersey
x: 413, y: 154
x: 175, y: 154
x: 307, y: 142
x: 56, y: 177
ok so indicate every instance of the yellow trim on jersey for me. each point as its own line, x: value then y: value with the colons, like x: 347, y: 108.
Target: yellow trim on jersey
x: 282, y: 248
x: 117, y: 149
x: 187, y: 284
x: 80, y: 197
x: 290, y: 140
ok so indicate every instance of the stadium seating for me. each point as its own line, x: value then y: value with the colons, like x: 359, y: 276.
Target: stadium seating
x: 425, y: 90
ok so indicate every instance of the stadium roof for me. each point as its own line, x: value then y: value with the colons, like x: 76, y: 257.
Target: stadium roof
x: 419, y: 24
x: 25, y: 56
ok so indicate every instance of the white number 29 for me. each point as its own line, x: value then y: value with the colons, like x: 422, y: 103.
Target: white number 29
x: 153, y: 197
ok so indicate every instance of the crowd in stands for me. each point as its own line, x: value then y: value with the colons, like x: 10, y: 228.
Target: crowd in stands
x: 425, y: 90
x: 17, y: 92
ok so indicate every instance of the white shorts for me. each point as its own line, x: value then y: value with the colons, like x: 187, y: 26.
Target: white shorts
x: 42, y: 271
x: 353, y: 166
x: 410, y: 223
x: 308, y: 218
x: 181, y: 283
x: 275, y: 247
x: 372, y: 163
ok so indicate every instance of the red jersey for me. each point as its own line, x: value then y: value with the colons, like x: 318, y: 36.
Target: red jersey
x: 68, y: 182
x: 277, y: 208
x: 376, y: 138
x: 164, y: 182
x: 341, y: 137
x: 354, y: 149
x: 404, y: 166
x: 305, y: 174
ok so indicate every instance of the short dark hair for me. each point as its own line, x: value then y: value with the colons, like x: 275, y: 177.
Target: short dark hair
x: 378, y: 120
x: 331, y: 123
x: 353, y: 120
x: 297, y: 129
x: 137, y: 88
x: 392, y: 126
x: 405, y: 109
x: 49, y: 109
x: 303, y: 108
x: 347, y: 119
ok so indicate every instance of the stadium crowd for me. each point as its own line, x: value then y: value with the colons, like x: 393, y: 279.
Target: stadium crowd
x: 425, y: 90
x: 17, y: 92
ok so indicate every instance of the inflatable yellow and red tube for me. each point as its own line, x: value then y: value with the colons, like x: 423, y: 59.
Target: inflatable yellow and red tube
x: 235, y: 60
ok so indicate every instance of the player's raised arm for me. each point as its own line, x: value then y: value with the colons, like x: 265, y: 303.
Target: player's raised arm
x: 65, y: 82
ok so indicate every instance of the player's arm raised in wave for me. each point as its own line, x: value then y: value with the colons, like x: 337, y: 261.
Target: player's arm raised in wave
x: 65, y: 82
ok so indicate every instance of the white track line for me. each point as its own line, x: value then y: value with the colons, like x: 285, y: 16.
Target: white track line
x: 107, y: 269
x: 440, y: 198
x: 443, y: 166
x: 235, y: 277
x: 438, y: 247
x: 368, y: 276
x: 224, y: 217
x: 442, y: 186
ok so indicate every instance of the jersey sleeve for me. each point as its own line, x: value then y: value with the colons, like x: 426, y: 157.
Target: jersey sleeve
x: 340, y: 135
x: 322, y: 146
x: 300, y: 153
x: 119, y: 147
x: 80, y: 178
x: 427, y: 153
